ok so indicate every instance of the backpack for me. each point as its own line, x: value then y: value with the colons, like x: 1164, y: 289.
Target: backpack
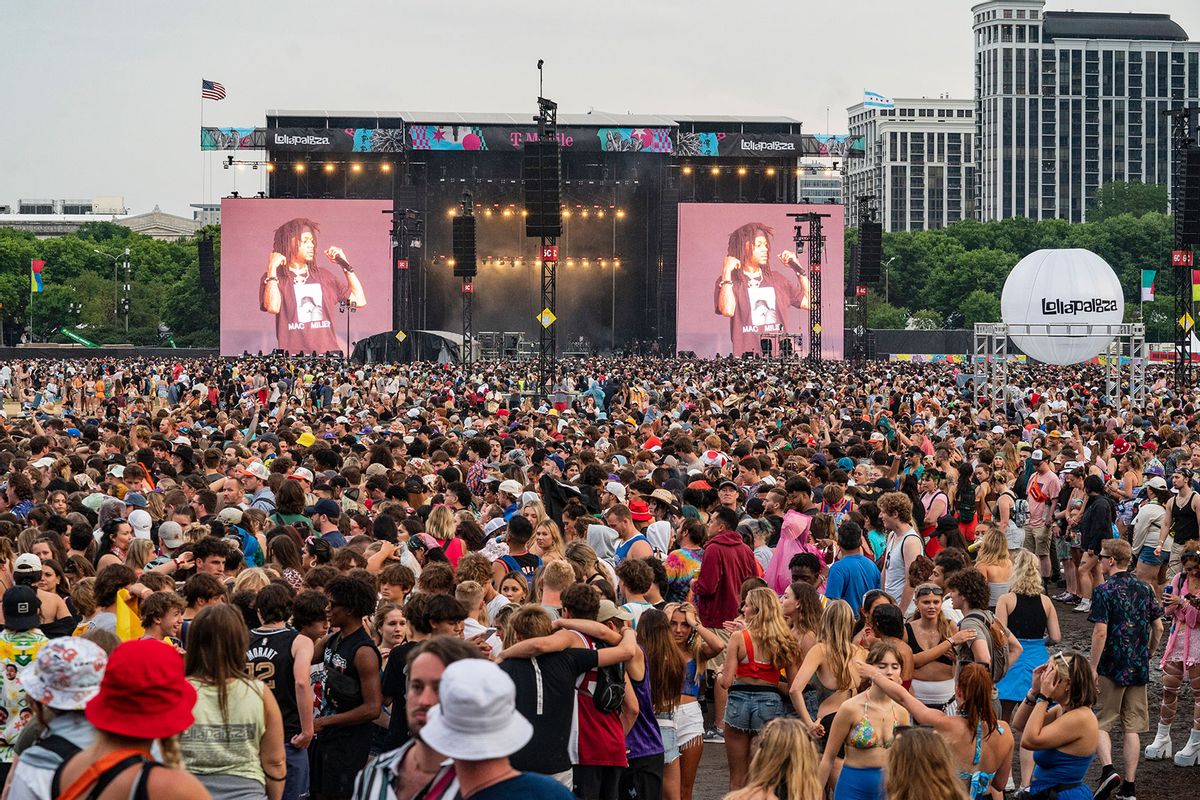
x: 1019, y: 513
x: 999, y: 652
x: 964, y: 503
x: 609, y: 694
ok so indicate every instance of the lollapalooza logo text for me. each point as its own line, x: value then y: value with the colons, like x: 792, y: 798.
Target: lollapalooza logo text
x: 1095, y: 305
x: 283, y: 138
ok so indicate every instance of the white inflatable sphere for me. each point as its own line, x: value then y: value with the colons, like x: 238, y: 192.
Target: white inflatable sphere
x: 1062, y: 287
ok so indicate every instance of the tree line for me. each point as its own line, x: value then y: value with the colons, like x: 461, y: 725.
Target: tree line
x: 81, y: 294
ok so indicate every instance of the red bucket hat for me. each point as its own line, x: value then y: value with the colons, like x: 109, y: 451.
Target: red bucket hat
x: 144, y: 694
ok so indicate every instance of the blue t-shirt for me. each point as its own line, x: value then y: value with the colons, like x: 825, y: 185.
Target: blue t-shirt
x: 850, y: 578
x: 527, y: 786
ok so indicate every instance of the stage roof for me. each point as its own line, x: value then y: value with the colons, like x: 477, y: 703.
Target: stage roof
x: 601, y: 119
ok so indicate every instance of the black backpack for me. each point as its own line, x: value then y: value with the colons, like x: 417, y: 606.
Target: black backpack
x: 609, y: 694
x: 964, y: 502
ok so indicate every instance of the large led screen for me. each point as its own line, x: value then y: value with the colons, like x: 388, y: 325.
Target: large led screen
x: 742, y: 279
x: 292, y: 269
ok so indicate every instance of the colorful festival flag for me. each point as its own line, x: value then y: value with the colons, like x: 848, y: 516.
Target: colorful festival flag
x: 35, y: 275
x: 1148, y: 285
x: 1196, y: 286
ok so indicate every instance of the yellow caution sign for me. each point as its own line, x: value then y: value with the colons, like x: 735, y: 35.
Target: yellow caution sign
x: 1186, y: 322
x: 817, y: 328
x: 401, y: 336
x: 547, y: 318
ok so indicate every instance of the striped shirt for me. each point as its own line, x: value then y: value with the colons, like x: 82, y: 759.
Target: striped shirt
x: 378, y: 780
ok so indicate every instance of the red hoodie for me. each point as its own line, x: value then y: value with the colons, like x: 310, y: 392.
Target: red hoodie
x: 727, y: 561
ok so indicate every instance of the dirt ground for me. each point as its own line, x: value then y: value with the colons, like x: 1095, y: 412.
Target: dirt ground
x: 1156, y: 780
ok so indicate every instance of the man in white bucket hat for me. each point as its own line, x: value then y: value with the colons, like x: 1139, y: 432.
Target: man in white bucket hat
x: 477, y: 724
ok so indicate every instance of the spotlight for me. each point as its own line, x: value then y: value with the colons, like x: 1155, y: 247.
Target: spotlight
x: 507, y: 212
x: 517, y: 263
x: 270, y: 167
x: 566, y: 213
x: 584, y: 213
x: 586, y: 263
x: 487, y: 213
x: 770, y: 171
x: 616, y: 262
x: 385, y: 167
x: 451, y: 262
x: 453, y: 212
x: 620, y: 213
x: 741, y: 170
x: 687, y: 170
x: 356, y: 167
x: 299, y: 167
x: 603, y: 262
x: 329, y: 167
x: 600, y: 214
x: 570, y: 262
x: 715, y: 170
x: 524, y: 213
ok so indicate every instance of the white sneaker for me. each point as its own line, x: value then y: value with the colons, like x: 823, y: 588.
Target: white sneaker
x: 1085, y: 605
x: 1011, y: 786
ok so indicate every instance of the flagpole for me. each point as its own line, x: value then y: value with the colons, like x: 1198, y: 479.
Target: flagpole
x: 31, y: 301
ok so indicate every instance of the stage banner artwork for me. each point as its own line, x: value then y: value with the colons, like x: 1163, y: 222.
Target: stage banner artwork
x: 499, y: 137
x: 304, y: 140
x: 777, y: 145
x: 740, y: 280
x: 289, y: 266
x: 1071, y: 287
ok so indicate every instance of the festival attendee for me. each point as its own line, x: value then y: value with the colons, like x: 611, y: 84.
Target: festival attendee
x: 58, y: 685
x: 352, y: 699
x: 920, y: 766
x: 903, y: 545
x: 853, y: 574
x: 1181, y: 523
x: 829, y: 670
x: 1041, y: 493
x: 728, y: 561
x: 476, y: 724
x: 866, y: 725
x: 754, y: 661
x: 784, y: 766
x: 993, y: 562
x: 281, y: 658
x: 1095, y: 527
x: 1127, y: 627
x: 251, y: 764
x: 1148, y: 534
x: 144, y: 699
x: 415, y: 770
x: 696, y: 645
x: 1181, y: 657
x: 1057, y: 724
x: 994, y: 646
x: 20, y: 642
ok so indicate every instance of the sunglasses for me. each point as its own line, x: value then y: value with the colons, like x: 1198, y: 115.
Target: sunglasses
x: 924, y: 590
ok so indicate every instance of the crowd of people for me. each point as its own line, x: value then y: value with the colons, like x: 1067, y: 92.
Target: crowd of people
x: 289, y: 578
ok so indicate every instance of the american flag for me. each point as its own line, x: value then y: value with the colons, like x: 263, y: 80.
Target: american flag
x: 211, y: 90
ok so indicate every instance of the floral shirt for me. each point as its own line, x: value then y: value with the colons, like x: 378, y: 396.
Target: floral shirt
x: 17, y: 650
x: 1127, y: 606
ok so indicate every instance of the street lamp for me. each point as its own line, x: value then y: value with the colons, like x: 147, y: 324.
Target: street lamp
x: 347, y: 307
x: 886, y: 280
x: 116, y: 283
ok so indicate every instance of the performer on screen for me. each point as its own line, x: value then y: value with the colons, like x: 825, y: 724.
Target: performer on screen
x: 301, y: 294
x: 753, y: 296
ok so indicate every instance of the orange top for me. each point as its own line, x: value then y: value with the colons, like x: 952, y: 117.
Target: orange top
x: 756, y: 670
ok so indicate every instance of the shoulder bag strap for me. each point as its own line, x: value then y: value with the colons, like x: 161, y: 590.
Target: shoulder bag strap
x: 102, y: 773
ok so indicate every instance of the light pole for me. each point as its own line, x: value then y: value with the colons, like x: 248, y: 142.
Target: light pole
x: 886, y: 280
x: 116, y: 283
x: 347, y: 307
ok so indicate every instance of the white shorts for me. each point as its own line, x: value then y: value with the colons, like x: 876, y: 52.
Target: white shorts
x: 689, y: 724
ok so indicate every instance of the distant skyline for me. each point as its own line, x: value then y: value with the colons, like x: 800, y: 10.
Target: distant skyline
x: 103, y: 99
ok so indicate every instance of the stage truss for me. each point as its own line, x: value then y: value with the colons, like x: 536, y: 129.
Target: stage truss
x: 1128, y: 343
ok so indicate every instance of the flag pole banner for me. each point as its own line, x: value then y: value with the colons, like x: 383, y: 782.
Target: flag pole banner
x: 35, y: 276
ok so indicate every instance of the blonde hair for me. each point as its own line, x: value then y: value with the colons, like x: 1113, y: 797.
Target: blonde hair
x: 770, y: 631
x: 993, y: 549
x: 558, y: 550
x: 784, y: 753
x: 254, y: 579
x: 139, y: 554
x: 441, y: 524
x: 920, y: 766
x: 539, y: 511
x: 470, y: 594
x: 1026, y: 576
x: 837, y: 634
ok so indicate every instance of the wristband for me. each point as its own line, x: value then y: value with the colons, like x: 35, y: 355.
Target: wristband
x: 270, y: 278
x: 725, y: 283
x: 347, y: 268
x: 1040, y: 699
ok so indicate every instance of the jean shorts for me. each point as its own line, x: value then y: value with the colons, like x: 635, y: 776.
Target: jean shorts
x: 1146, y: 556
x: 751, y: 710
x: 666, y: 726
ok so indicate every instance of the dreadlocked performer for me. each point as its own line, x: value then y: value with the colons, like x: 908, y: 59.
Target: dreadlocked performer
x: 302, y: 295
x: 753, y: 296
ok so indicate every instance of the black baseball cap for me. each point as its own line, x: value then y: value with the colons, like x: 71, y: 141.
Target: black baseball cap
x: 21, y: 607
x: 324, y: 506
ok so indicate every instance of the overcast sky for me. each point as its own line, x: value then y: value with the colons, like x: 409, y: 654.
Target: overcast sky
x: 104, y: 98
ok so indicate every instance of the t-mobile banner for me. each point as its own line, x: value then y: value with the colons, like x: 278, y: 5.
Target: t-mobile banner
x: 741, y: 279
x: 291, y: 268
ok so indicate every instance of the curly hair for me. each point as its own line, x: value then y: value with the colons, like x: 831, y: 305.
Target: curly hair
x: 287, y: 235
x: 741, y: 244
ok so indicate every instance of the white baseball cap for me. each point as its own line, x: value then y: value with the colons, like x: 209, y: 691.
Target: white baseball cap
x: 510, y: 488
x: 616, y: 490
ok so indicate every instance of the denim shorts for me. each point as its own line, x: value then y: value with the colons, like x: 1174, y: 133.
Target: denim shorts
x: 666, y: 726
x: 1146, y: 556
x: 750, y: 710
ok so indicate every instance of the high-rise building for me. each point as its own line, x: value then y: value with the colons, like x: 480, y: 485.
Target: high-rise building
x: 818, y: 182
x: 1067, y: 101
x: 917, y: 164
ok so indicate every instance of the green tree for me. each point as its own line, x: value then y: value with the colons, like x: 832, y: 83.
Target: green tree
x: 926, y: 320
x: 882, y: 315
x: 1121, y: 197
x: 980, y: 306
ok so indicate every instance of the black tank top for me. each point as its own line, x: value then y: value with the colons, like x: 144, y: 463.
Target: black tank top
x: 1183, y: 521
x: 915, y: 646
x: 343, y: 684
x: 1028, y: 617
x: 269, y: 659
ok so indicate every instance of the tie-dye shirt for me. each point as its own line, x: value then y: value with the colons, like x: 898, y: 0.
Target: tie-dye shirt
x: 682, y: 566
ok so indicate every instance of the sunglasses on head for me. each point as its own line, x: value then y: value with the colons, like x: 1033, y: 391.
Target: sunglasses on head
x: 924, y: 590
